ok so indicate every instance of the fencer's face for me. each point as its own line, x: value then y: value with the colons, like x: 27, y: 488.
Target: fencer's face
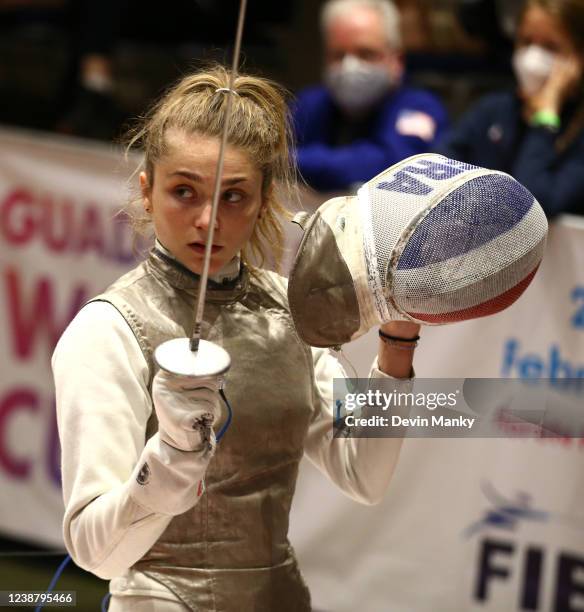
x: 360, y: 33
x: 540, y: 28
x: 181, y: 195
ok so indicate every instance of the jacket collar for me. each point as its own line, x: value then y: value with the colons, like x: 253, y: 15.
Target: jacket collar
x: 227, y: 286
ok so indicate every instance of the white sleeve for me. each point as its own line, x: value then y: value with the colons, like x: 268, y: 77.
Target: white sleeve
x: 103, y: 406
x: 361, y: 467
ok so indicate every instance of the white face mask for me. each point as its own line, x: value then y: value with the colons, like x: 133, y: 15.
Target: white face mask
x: 532, y: 65
x: 356, y: 86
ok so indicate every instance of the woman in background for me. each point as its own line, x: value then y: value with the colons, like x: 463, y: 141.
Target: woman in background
x: 536, y: 133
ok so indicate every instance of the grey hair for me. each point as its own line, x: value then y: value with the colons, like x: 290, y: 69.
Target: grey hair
x: 389, y: 13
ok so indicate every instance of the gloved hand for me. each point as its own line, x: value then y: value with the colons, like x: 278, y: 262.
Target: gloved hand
x: 187, y: 408
x: 169, y: 476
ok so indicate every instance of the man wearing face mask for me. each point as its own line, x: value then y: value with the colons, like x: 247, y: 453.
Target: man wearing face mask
x: 535, y: 133
x: 363, y: 119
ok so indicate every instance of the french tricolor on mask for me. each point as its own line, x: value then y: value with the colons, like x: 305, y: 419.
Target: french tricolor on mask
x: 429, y: 240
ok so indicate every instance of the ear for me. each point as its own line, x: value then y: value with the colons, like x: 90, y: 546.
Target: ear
x: 146, y: 190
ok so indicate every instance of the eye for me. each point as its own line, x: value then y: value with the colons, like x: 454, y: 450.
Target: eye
x: 183, y: 192
x: 368, y: 55
x: 232, y: 196
x: 523, y: 40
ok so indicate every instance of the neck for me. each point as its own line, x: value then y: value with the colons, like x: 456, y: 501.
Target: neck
x: 229, y: 272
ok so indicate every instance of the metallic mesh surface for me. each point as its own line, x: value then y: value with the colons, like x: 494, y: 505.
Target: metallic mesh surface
x: 467, y: 219
x: 389, y: 217
x: 392, y: 211
x: 472, y: 254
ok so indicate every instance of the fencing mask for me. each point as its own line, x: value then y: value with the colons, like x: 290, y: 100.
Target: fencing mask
x: 429, y: 240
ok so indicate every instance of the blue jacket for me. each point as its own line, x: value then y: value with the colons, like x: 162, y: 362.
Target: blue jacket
x: 492, y: 134
x: 330, y: 160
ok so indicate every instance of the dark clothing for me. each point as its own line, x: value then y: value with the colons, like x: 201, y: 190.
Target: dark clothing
x: 334, y: 152
x: 493, y: 134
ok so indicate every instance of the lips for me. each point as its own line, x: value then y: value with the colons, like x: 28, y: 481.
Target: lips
x: 199, y: 247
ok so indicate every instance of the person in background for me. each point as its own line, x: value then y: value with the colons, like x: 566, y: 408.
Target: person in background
x: 363, y: 118
x: 535, y: 133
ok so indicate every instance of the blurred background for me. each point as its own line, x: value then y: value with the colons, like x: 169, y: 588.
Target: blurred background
x: 44, y: 43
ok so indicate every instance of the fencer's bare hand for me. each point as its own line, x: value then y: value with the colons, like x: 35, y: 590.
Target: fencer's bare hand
x: 561, y: 84
x: 187, y: 409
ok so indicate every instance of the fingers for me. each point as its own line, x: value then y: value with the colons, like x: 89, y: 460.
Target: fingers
x: 177, y: 382
x: 564, y: 78
x: 177, y: 402
x: 187, y: 409
x: 566, y: 70
x: 566, y: 74
x: 202, y: 426
x: 192, y: 433
x: 201, y: 401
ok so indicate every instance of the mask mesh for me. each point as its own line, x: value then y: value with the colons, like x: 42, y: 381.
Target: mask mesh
x: 470, y: 253
x: 392, y: 211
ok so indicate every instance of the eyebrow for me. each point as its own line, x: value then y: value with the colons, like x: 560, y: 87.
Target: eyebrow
x: 197, y: 178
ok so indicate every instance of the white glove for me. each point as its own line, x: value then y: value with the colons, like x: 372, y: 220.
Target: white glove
x: 187, y: 408
x: 167, y: 480
x: 169, y: 476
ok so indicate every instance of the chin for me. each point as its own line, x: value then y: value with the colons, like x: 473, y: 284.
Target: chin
x: 214, y: 267
x: 196, y: 267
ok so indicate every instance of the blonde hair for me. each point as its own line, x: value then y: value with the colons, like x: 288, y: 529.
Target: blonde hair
x: 259, y: 124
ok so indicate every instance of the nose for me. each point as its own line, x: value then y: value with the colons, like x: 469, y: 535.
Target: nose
x: 203, y: 218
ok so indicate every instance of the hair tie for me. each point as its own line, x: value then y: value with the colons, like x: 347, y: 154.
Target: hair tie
x: 226, y: 90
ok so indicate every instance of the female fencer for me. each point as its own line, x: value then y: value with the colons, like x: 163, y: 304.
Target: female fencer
x: 173, y: 519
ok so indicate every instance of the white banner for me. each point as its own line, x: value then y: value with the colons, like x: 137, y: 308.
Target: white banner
x: 478, y: 524
x: 61, y: 243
